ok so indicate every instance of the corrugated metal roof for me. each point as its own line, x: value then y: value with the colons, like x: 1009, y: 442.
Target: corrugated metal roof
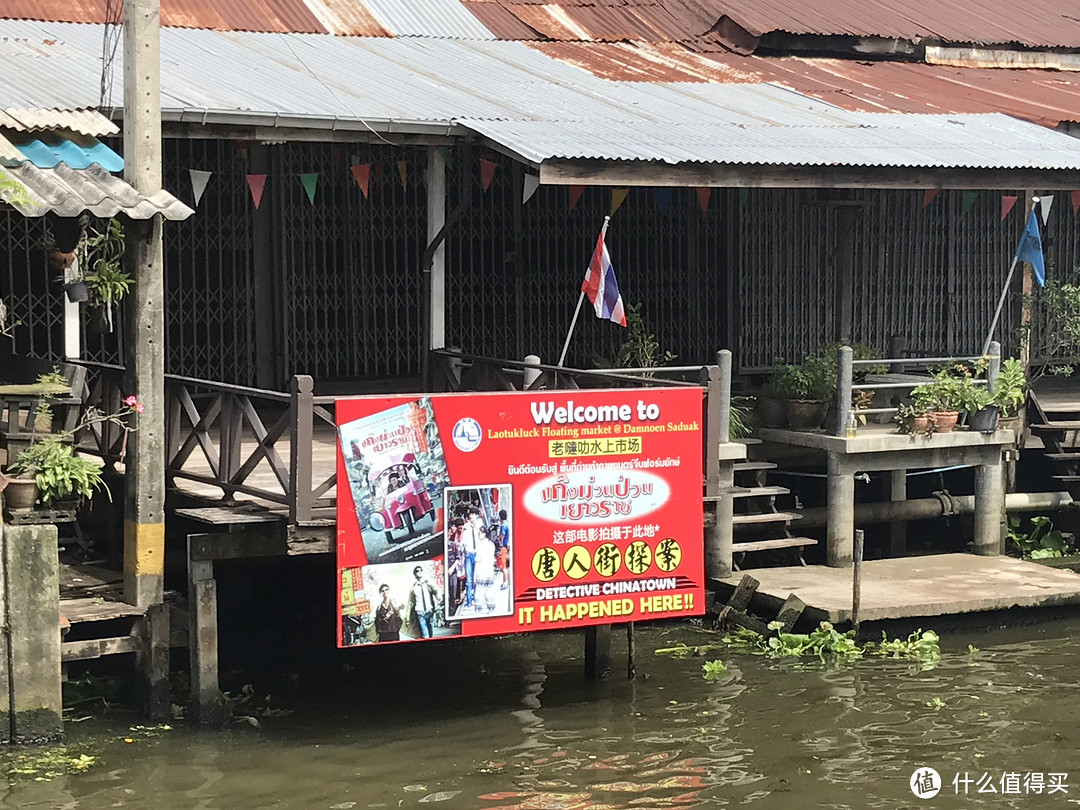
x: 1042, y: 96
x: 1050, y: 23
x: 68, y: 192
x: 425, y: 18
x: 518, y: 96
x: 1045, y: 23
x: 48, y: 149
x: 868, y: 140
x: 86, y: 122
x: 372, y: 18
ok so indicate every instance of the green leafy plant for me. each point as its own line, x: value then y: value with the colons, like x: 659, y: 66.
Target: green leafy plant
x: 1052, y: 335
x: 952, y: 388
x: 713, y: 670
x: 102, y: 253
x: 641, y: 348
x: 787, y: 382
x: 739, y: 421
x: 53, y: 378
x: 906, y: 416
x: 859, y: 351
x: 1041, y: 543
x: 53, y: 463
x: 921, y: 645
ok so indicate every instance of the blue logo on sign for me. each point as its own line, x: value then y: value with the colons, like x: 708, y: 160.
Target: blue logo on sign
x: 467, y: 434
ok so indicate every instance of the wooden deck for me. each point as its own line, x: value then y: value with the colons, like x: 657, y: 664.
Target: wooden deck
x: 909, y: 587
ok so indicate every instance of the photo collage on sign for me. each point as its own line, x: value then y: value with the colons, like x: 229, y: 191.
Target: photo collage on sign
x: 396, y: 474
x: 479, y: 546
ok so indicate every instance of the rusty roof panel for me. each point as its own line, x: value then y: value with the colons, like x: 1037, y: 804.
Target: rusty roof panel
x: 500, y: 21
x: 1035, y: 23
x: 281, y: 16
x: 347, y: 18
x: 80, y: 11
x: 638, y: 61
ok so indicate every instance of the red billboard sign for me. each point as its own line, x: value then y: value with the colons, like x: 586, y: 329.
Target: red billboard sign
x: 487, y: 513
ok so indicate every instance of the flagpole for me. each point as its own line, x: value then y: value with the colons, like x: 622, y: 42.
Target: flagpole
x: 577, y: 309
x: 1005, y: 288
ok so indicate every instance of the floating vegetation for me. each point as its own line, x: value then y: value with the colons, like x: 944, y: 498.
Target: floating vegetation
x: 243, y: 707
x: 713, y: 670
x: 41, y: 765
x: 829, y: 645
x: 686, y: 651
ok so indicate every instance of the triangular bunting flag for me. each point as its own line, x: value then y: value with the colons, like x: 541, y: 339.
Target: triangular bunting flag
x: 1076, y: 201
x: 403, y: 173
x: 1044, y: 206
x: 663, y: 199
x: 703, y: 195
x: 618, y: 197
x: 362, y: 175
x: 575, y: 195
x: 929, y: 195
x: 968, y: 200
x: 444, y: 152
x: 199, y: 180
x: 256, y: 182
x: 529, y: 186
x: 744, y: 196
x: 487, y: 172
x: 1007, y: 204
x: 310, y: 180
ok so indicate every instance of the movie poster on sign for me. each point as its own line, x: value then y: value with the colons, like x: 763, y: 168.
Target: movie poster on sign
x: 479, y: 545
x: 585, y: 508
x: 396, y: 471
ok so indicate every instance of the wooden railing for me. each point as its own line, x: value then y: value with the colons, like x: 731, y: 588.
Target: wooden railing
x: 225, y: 438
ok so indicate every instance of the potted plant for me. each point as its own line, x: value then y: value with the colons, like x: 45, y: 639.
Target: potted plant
x: 985, y: 407
x: 771, y: 404
x: 948, y: 392
x: 913, y: 420
x: 102, y: 254
x: 813, y: 385
x: 58, y: 472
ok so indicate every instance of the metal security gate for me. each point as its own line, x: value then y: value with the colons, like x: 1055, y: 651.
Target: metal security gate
x: 32, y: 294
x: 209, y: 265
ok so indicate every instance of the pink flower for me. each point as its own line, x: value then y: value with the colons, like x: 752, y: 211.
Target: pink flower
x: 131, y: 401
x: 139, y: 407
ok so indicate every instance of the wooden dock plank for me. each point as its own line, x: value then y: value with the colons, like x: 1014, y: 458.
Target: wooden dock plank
x: 766, y: 517
x: 768, y: 545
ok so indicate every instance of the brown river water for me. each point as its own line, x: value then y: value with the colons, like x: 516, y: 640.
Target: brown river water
x: 510, y: 723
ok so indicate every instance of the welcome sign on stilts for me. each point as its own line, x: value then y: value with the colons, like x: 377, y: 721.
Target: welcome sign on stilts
x: 489, y: 513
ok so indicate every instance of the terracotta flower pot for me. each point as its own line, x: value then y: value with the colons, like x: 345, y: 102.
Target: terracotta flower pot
x: 944, y: 421
x: 921, y: 425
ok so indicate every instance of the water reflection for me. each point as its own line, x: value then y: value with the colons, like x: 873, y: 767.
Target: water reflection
x: 510, y: 723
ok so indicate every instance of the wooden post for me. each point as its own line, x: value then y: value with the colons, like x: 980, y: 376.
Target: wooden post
x: 144, y: 508
x: 719, y: 476
x: 598, y: 651
x: 631, y: 653
x: 203, y: 636
x: 856, y: 581
x: 153, y: 656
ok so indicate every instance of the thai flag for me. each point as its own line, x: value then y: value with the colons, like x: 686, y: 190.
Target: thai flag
x: 601, y: 287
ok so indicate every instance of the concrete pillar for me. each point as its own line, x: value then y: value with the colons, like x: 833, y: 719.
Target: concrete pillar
x: 840, y: 540
x: 203, y: 638
x: 436, y: 219
x: 144, y: 507
x: 32, y: 597
x: 989, y: 508
x: 897, y: 485
x: 719, y: 537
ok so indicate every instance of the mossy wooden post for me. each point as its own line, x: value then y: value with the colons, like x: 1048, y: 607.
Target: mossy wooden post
x: 598, y: 651
x: 31, y: 583
x: 203, y: 633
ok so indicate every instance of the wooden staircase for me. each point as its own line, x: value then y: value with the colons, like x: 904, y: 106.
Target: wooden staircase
x: 757, y: 524
x: 1054, y: 419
